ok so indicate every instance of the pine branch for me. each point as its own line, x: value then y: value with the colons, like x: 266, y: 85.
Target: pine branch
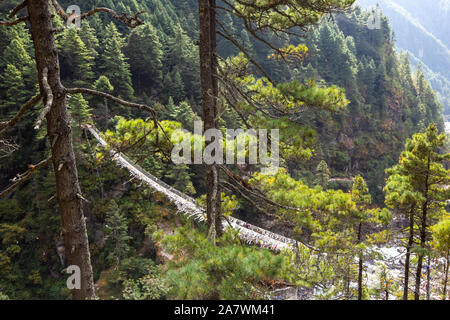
x: 238, y: 190
x: 49, y: 98
x: 235, y: 189
x: 13, y: 23
x: 20, y: 114
x: 21, y: 178
x: 7, y: 148
x: 224, y: 34
x: 21, y: 6
x: 112, y: 98
x: 254, y: 191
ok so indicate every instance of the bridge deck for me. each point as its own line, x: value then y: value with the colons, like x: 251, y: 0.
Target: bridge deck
x: 187, y: 205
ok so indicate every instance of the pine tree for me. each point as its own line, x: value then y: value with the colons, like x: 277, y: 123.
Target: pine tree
x: 182, y: 54
x: 176, y: 87
x: 421, y: 169
x: 13, y: 83
x: 362, y: 199
x: 76, y: 59
x: 223, y: 46
x: 117, y: 228
x: 114, y: 63
x: 145, y: 54
x: 182, y: 113
x: 79, y: 110
x: 401, y: 196
x: 90, y: 40
x: 104, y: 85
x: 323, y: 174
x: 16, y: 54
x: 274, y: 16
x: 339, y: 54
x: 168, y: 84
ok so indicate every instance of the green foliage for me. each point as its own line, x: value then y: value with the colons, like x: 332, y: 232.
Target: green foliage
x: 149, y: 287
x: 75, y: 59
x: 441, y: 236
x: 79, y: 110
x: 323, y: 174
x: 116, y: 228
x: 226, y: 271
x: 114, y: 63
x: 139, y: 137
x: 417, y: 181
x: 12, y: 81
x: 417, y: 186
x: 145, y: 54
x: 378, y: 104
x: 333, y: 219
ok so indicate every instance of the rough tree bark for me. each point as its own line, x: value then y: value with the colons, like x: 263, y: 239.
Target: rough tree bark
x: 360, y: 265
x: 423, y: 233
x: 60, y: 134
x: 444, y: 293
x: 408, y: 255
x: 209, y: 88
x: 429, y: 278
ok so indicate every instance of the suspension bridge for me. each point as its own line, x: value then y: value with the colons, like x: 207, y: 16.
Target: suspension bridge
x: 249, y: 233
x: 187, y: 206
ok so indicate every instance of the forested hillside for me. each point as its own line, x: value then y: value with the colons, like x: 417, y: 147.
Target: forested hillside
x: 347, y: 104
x: 421, y: 29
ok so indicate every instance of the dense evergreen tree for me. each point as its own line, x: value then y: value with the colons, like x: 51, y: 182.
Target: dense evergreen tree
x: 114, y: 64
x: 323, y: 174
x: 117, y: 229
x: 76, y: 59
x: 145, y: 54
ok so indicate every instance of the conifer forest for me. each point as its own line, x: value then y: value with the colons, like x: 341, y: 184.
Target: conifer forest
x: 224, y: 150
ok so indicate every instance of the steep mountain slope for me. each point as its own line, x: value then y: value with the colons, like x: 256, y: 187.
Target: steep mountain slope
x: 421, y: 28
x: 158, y: 64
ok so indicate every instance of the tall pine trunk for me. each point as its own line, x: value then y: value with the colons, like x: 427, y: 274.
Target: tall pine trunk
x: 408, y: 255
x: 419, y: 273
x: 360, y: 265
x: 444, y: 293
x: 423, y: 236
x: 209, y: 88
x: 60, y: 134
x: 429, y: 278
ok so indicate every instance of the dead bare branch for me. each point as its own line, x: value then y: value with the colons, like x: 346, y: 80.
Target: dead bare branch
x: 60, y: 10
x: 20, y: 114
x: 131, y: 21
x: 48, y: 101
x: 21, y: 178
x: 112, y: 98
x: 7, y: 148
